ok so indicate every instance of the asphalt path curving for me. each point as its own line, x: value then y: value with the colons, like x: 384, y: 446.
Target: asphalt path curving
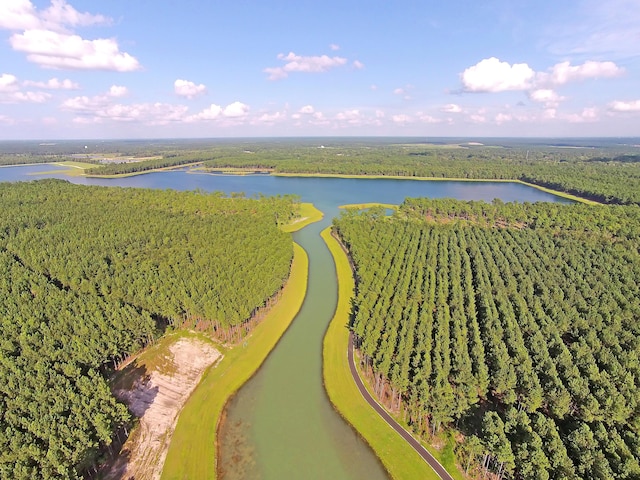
x: 427, y: 457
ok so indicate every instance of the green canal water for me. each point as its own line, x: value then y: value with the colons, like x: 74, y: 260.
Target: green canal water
x: 281, y: 425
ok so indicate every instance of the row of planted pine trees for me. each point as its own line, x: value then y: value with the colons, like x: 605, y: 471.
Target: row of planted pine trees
x: 524, y: 338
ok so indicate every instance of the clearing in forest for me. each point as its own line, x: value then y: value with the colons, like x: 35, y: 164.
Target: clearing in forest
x: 155, y: 387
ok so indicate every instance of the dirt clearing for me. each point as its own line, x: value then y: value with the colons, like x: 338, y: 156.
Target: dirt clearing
x: 155, y: 392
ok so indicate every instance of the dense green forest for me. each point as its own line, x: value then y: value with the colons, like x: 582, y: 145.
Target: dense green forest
x: 518, y: 325
x: 607, y: 176
x: 604, y: 170
x: 92, y: 274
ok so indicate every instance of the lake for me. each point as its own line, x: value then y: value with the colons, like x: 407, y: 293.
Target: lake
x: 281, y: 423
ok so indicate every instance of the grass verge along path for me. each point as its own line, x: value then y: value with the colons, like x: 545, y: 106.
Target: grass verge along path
x: 397, y: 456
x: 192, y: 454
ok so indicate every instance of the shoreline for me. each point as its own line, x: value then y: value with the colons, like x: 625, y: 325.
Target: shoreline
x: 557, y: 193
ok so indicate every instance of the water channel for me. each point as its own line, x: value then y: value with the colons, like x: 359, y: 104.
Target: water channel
x: 281, y: 424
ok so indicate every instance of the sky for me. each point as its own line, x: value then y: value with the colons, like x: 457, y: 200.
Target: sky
x: 105, y: 69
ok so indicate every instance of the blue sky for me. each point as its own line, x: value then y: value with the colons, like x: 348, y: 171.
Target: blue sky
x: 228, y: 68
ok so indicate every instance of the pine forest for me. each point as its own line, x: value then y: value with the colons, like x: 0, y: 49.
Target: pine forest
x: 515, y: 325
x: 90, y: 275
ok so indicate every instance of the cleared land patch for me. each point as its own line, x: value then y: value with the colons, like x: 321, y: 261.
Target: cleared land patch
x: 155, y: 387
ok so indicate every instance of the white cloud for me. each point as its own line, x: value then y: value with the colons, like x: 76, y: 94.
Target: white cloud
x: 352, y: 117
x: 60, y: 50
x: 401, y: 119
x: 492, y: 75
x: 54, y: 84
x: 8, y: 83
x: 334, y: 47
x: 22, y: 15
x: 298, y: 63
x: 425, y: 118
x: 61, y: 13
x: 185, y: 88
x: 546, y: 96
x: 503, y: 118
x: 622, y: 106
x: 399, y: 91
x: 210, y: 113
x: 269, y: 118
x: 18, y: 15
x: 10, y: 92
x: 451, y: 108
x: 47, y: 40
x: 358, y: 64
x: 307, y: 109
x: 476, y: 118
x: 564, y: 72
x: 101, y: 108
x: 118, y: 91
x: 235, y: 110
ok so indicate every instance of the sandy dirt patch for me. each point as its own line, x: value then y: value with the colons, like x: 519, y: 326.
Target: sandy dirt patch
x: 156, y: 398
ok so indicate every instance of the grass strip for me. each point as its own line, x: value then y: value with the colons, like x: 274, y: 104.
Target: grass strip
x: 193, y: 453
x: 308, y: 214
x: 364, y: 206
x: 397, y: 456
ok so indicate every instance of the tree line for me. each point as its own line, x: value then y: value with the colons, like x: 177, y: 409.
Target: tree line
x: 89, y: 275
x: 523, y: 336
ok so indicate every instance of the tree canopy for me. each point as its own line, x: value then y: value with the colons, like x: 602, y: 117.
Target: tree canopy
x: 89, y: 275
x: 517, y: 323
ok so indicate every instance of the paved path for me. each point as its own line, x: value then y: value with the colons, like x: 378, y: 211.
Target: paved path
x: 439, y: 469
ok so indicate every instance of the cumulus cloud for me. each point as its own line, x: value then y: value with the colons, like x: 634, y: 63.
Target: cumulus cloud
x: 185, y: 88
x: 10, y: 92
x: 51, y: 49
x: 307, y: 109
x: 451, y: 108
x: 101, y: 108
x: 235, y: 110
x: 334, y: 47
x: 358, y: 64
x: 622, y: 106
x: 564, y: 72
x: 492, y: 75
x: 269, y: 118
x: 401, y: 119
x: 210, y: 113
x: 503, y: 118
x: 117, y: 91
x: 48, y: 40
x: 53, y: 84
x: 8, y: 83
x: 306, y: 64
x: 22, y: 15
x: 546, y: 96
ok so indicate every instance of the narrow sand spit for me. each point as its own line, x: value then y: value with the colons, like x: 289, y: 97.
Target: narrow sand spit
x: 156, y: 399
